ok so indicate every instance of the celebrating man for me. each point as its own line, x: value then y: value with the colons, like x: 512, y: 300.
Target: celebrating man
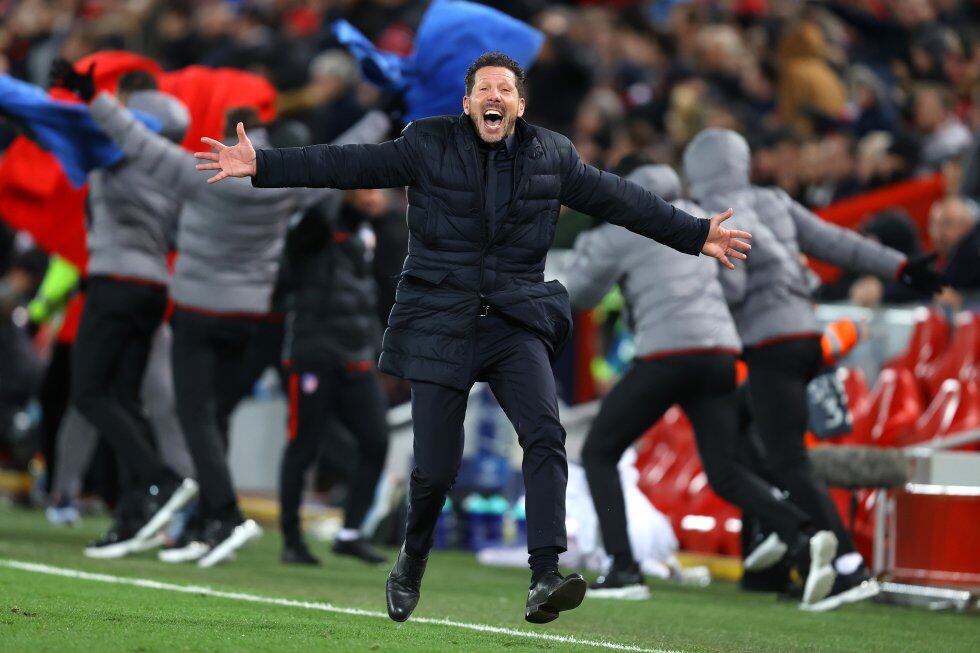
x: 484, y: 191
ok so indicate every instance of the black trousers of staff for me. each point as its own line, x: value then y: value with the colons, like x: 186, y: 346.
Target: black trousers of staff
x: 704, y: 386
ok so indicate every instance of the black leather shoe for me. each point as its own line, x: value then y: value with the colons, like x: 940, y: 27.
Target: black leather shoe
x: 360, y: 549
x: 553, y: 594
x: 404, y: 585
x: 298, y: 554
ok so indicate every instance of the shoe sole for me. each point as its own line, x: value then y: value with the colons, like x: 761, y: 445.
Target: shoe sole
x: 628, y: 593
x: 820, y: 580
x: 369, y: 561
x: 766, y: 555
x: 111, y: 551
x: 866, y: 590
x: 567, y: 596
x: 186, y: 491
x: 242, y: 535
x: 190, y: 553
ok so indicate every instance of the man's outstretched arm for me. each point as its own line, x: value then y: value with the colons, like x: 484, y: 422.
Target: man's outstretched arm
x: 166, y: 162
x: 384, y: 165
x: 616, y: 200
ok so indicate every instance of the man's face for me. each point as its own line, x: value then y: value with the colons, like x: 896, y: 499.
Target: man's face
x: 949, y: 223
x: 493, y: 103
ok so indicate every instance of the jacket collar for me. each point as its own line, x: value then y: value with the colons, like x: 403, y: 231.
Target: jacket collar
x: 527, y: 139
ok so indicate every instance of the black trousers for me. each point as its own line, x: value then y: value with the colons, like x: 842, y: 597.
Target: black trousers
x: 704, y: 386
x: 54, y: 396
x: 108, y: 364
x: 515, y: 363
x: 209, y: 379
x: 319, y: 390
x: 778, y: 377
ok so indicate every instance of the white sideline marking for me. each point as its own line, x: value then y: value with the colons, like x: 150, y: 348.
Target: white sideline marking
x: 311, y: 605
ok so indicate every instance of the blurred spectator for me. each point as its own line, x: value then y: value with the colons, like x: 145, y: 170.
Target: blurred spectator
x: 944, y: 136
x: 808, y: 87
x: 955, y: 233
x: 872, y: 109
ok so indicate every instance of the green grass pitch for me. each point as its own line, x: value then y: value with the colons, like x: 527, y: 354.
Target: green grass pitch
x: 40, y: 612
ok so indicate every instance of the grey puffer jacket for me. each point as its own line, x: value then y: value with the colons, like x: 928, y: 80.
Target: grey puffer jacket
x: 231, y: 234
x: 675, y: 302
x: 132, y: 219
x: 768, y: 294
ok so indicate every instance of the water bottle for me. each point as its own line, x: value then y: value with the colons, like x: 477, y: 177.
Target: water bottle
x: 475, y: 509
x: 519, y: 515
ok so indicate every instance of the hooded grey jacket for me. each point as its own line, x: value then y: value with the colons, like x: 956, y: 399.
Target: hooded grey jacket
x: 230, y: 235
x: 768, y: 294
x: 675, y: 302
x: 132, y: 219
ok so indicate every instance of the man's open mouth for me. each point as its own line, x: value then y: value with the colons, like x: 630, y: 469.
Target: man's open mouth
x: 493, y: 118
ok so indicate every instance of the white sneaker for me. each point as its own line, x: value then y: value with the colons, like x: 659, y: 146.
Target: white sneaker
x: 183, y: 493
x: 190, y: 552
x: 66, y: 515
x: 820, y: 580
x: 767, y: 554
x: 867, y: 588
x: 225, y: 547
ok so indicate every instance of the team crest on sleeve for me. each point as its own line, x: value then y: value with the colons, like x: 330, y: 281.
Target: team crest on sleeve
x: 309, y: 382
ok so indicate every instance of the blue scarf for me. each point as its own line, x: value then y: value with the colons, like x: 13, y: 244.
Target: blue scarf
x: 453, y: 33
x: 63, y: 128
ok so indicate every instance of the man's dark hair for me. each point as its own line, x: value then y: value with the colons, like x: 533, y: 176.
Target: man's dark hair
x: 501, y: 60
x: 247, y: 115
x: 138, y: 80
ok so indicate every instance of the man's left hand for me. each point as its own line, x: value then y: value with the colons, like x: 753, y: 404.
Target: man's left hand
x: 722, y: 243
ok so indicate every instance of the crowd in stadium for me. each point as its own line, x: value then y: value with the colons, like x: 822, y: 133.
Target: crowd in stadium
x: 836, y: 101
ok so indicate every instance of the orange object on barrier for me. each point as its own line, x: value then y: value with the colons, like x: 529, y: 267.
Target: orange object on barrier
x: 838, y: 339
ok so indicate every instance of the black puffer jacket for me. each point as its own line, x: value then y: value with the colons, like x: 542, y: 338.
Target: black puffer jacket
x: 453, y: 263
x: 330, y: 292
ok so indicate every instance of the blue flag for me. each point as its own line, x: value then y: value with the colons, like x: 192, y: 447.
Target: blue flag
x: 63, y: 128
x: 453, y: 33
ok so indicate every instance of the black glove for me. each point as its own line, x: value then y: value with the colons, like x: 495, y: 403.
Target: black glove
x: 63, y: 75
x: 919, y: 274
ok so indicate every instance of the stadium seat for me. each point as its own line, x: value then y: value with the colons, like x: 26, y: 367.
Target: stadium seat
x: 710, y: 524
x: 955, y: 408
x: 961, y: 358
x: 929, y: 339
x: 892, y: 408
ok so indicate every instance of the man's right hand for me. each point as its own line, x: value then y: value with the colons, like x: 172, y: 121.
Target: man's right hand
x: 232, y: 161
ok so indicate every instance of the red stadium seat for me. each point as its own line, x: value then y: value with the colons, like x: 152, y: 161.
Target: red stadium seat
x: 709, y: 524
x: 955, y: 408
x: 667, y: 461
x: 928, y: 341
x: 893, y: 407
x: 961, y: 358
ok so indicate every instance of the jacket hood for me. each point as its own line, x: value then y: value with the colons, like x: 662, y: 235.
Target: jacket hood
x: 172, y: 114
x: 658, y: 179
x: 717, y: 161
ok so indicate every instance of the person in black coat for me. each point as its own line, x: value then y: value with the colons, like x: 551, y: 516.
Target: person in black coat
x: 331, y: 342
x: 484, y: 191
